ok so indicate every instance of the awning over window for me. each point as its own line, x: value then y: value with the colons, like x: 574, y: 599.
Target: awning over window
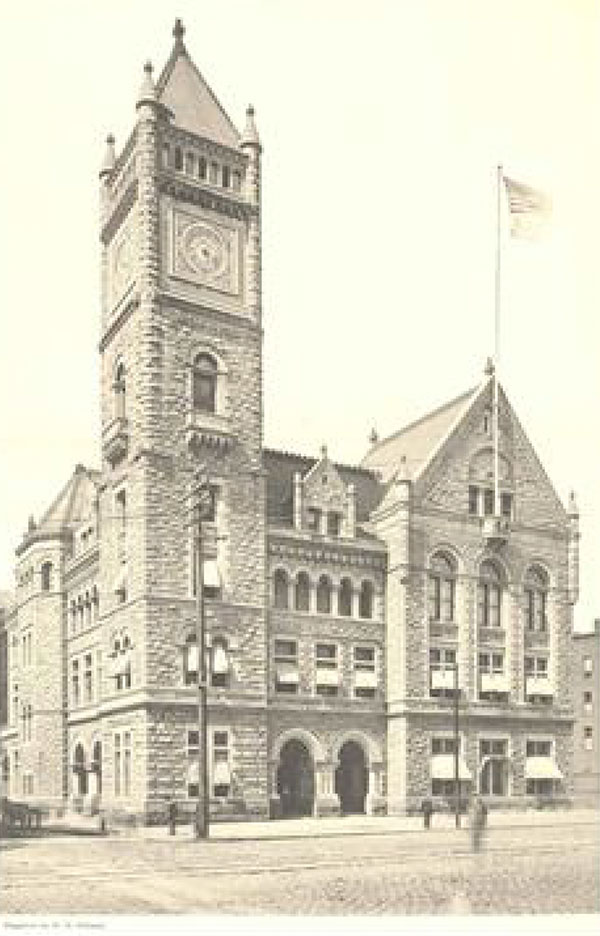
x: 287, y: 674
x: 212, y: 576
x: 442, y: 679
x: 541, y: 768
x: 192, y: 658
x: 494, y: 682
x: 365, y: 679
x: 221, y: 774
x: 539, y: 685
x: 220, y: 663
x: 327, y: 677
x: 442, y: 767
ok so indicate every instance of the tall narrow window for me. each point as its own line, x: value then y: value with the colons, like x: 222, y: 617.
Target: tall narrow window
x: 221, y: 773
x: 365, y: 604
x: 441, y: 588
x: 324, y: 595
x: 473, y: 500
x: 117, y: 770
x: 302, y: 592
x: 120, y: 391
x: 87, y: 678
x: 226, y: 176
x: 190, y: 661
x: 178, y: 158
x: 281, y: 589
x: 488, y: 502
x: 75, y: 683
x: 345, y: 598
x: 46, y: 576
x: 489, y: 596
x: 204, y: 384
x: 126, y: 763
x: 536, y: 590
x: 202, y: 168
x: 219, y: 665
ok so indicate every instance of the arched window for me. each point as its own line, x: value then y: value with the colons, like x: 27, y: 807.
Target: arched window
x: 441, y: 588
x: 204, y: 384
x: 345, y: 597
x: 489, y: 595
x: 302, y: 592
x: 536, y: 592
x: 120, y: 391
x: 324, y: 595
x: 46, y: 576
x: 365, y: 604
x: 281, y: 589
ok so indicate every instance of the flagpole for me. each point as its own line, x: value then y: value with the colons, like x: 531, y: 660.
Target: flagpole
x: 497, y: 338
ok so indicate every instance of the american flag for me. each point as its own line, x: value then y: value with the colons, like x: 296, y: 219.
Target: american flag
x: 529, y: 209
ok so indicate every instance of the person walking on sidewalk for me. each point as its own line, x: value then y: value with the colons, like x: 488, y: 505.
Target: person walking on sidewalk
x: 477, y: 822
x: 427, y: 809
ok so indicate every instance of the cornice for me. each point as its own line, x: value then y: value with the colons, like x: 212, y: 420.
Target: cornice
x: 210, y: 147
x: 118, y: 321
x: 194, y: 193
x: 404, y: 708
x: 119, y: 212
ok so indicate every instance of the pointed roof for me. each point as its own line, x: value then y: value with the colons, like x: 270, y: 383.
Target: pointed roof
x: 73, y: 504
x: 418, y: 441
x: 182, y: 89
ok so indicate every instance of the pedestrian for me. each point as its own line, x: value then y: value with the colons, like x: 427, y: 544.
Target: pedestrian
x: 172, y: 817
x: 427, y: 808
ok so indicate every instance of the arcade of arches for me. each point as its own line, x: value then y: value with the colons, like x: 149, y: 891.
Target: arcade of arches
x: 305, y: 781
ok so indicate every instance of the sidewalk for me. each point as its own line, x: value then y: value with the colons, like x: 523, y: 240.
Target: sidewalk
x: 366, y: 825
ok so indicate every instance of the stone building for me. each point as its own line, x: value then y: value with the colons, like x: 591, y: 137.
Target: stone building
x: 343, y: 604
x: 586, y: 689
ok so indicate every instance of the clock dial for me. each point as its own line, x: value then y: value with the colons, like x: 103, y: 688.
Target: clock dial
x: 205, y: 251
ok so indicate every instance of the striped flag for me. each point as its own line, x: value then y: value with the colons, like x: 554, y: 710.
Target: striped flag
x: 529, y: 209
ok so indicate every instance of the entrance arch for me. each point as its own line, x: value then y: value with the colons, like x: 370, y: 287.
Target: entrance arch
x: 296, y: 779
x: 351, y: 778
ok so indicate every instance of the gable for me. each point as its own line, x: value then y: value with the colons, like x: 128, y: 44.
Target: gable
x: 466, y: 458
x: 183, y: 90
x: 323, y: 487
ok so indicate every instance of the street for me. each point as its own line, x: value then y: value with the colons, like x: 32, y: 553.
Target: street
x: 548, y: 868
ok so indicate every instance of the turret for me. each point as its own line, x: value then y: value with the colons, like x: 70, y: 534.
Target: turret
x: 573, y: 550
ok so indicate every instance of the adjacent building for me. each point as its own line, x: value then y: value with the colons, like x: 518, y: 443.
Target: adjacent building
x: 345, y: 605
x: 586, y: 689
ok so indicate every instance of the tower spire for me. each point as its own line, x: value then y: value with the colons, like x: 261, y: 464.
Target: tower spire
x: 178, y: 34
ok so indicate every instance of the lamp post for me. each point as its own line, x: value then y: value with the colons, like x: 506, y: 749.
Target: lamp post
x: 456, y: 749
x: 201, y: 496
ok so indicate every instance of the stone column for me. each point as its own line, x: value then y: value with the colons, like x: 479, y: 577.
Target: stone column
x: 326, y: 800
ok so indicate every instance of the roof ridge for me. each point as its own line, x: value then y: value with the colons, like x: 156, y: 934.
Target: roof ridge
x: 359, y: 469
x: 424, y: 418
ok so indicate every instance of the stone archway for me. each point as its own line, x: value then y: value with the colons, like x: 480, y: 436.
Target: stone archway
x: 352, y: 778
x: 296, y: 779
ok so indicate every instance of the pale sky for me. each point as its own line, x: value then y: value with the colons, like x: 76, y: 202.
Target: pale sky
x: 382, y: 124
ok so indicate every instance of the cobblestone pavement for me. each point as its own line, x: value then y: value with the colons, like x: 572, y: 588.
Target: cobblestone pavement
x: 550, y: 869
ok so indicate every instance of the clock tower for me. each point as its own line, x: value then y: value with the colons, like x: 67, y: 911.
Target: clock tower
x: 181, y: 350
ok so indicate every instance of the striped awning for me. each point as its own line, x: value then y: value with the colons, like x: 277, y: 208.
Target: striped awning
x: 443, y: 768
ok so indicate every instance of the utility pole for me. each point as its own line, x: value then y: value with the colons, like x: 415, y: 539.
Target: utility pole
x: 456, y: 749
x: 201, y: 495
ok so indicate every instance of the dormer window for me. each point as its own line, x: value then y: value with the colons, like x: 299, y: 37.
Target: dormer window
x: 202, y: 168
x: 334, y: 523
x: 46, y: 576
x: 204, y: 384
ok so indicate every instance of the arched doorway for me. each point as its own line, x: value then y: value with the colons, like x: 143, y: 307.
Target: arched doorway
x: 351, y: 778
x: 295, y: 780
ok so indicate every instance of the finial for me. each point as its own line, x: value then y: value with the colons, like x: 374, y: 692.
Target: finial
x: 489, y: 368
x: 147, y: 91
x: 373, y: 436
x: 250, y: 136
x: 31, y: 524
x: 109, y: 156
x: 178, y: 32
x: 323, y: 451
x: 573, y: 509
x: 402, y: 473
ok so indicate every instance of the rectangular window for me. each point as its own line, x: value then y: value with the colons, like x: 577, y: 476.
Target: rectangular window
x: 98, y: 675
x: 494, y: 767
x: 587, y: 701
x: 588, y: 666
x: 75, y: 683
x: 364, y: 659
x: 537, y: 747
x: 226, y: 176
x: 334, y: 523
x: 126, y: 763
x: 87, y: 678
x: 237, y: 181
x: 488, y: 502
x: 497, y: 662
x: 313, y: 519
x: 221, y: 777
x: 588, y: 737
x: 213, y: 176
x: 117, y: 766
x: 473, y: 500
x: 326, y: 656
x: 286, y: 651
x: 506, y: 505
x: 434, y: 598
x: 443, y: 745
x: 193, y: 746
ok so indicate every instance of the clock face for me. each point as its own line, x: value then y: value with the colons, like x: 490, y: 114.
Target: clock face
x: 205, y: 251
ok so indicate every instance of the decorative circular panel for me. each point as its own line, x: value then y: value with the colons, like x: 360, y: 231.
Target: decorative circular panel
x: 204, y: 250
